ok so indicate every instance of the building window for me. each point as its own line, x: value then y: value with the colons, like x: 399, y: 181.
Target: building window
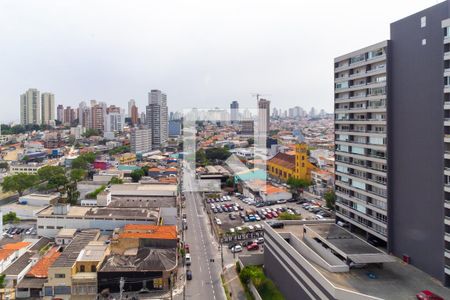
x: 423, y: 22
x: 82, y: 269
x: 60, y: 275
x: 93, y: 269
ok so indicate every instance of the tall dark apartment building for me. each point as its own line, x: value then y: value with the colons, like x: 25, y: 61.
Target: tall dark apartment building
x: 392, y: 140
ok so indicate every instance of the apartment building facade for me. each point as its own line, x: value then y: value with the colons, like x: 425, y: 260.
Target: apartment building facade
x: 30, y: 107
x: 157, y: 118
x: 405, y: 154
x: 47, y: 107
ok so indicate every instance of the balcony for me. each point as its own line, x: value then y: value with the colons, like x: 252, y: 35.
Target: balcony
x: 447, y: 154
x: 447, y: 105
x: 447, y: 220
x: 447, y: 138
x: 447, y: 122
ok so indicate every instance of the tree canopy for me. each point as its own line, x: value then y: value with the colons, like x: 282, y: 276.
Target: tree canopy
x: 136, y: 175
x: 77, y: 174
x: 10, y: 217
x: 330, y: 198
x: 48, y: 172
x: 19, y: 182
x: 83, y: 161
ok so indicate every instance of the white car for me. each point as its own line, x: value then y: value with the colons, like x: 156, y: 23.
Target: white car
x: 257, y: 218
x: 237, y: 248
x: 238, y: 229
x: 218, y: 222
x: 188, y: 259
x: 232, y: 230
x: 251, y: 228
x: 258, y: 227
x: 260, y: 240
x: 213, y: 206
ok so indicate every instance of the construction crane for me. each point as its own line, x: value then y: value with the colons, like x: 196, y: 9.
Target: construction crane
x: 257, y: 95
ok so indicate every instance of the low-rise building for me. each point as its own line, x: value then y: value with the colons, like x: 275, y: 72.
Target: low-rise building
x: 53, y: 218
x: 59, y: 284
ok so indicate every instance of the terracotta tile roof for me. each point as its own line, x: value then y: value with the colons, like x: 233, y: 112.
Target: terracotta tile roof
x: 283, y: 160
x: 16, y: 246
x: 4, y: 253
x: 149, y: 232
x: 40, y: 269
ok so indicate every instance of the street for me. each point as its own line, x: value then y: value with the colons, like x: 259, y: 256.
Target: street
x: 205, y: 283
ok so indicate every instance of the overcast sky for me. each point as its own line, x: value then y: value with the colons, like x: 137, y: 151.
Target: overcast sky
x: 201, y: 53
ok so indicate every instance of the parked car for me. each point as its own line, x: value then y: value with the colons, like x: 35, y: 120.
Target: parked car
x: 276, y: 225
x: 188, y: 259
x: 246, y: 219
x: 246, y: 243
x: 188, y: 274
x: 282, y: 201
x: 260, y: 240
x: 237, y: 248
x: 428, y: 295
x: 253, y: 247
x: 232, y: 217
x: 232, y: 245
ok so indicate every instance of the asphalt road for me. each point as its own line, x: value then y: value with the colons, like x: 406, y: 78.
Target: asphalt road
x: 205, y: 283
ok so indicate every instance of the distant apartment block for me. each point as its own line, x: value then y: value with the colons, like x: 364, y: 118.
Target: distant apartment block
x: 30, y: 107
x: 141, y: 140
x: 157, y: 117
x: 47, y: 107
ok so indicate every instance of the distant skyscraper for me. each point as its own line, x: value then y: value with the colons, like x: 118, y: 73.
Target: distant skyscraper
x: 98, y: 113
x: 312, y: 112
x: 60, y: 113
x: 157, y: 117
x: 47, y: 108
x: 264, y: 114
x: 69, y: 115
x: 134, y: 115
x: 142, y: 118
x: 131, y: 103
x: 30, y: 108
x: 234, y: 111
x: 84, y: 115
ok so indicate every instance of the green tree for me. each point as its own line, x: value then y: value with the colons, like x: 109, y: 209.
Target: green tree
x: 57, y: 181
x: 48, y: 172
x: 115, y: 180
x: 77, y: 175
x: 10, y: 217
x: 217, y: 154
x: 19, y: 182
x: 136, y: 175
x: 200, y: 157
x: 2, y: 284
x: 72, y: 193
x: 91, y: 132
x: 330, y: 198
x: 83, y: 161
x: 230, y: 182
x: 288, y: 216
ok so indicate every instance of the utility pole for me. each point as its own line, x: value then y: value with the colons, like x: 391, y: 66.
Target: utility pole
x: 121, y: 285
x: 171, y: 286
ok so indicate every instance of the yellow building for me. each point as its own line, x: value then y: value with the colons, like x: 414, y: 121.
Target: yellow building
x: 127, y: 159
x: 294, y: 164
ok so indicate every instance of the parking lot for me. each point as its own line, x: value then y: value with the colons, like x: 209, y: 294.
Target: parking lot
x: 235, y: 214
x: 18, y: 232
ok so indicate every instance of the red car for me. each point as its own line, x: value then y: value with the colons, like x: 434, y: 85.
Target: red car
x: 428, y: 295
x: 274, y: 214
x: 186, y: 248
x: 253, y: 247
x: 268, y: 216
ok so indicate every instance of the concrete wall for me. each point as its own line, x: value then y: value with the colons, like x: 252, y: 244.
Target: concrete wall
x: 415, y: 140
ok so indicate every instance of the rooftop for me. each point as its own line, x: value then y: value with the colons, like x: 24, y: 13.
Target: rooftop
x: 394, y: 280
x: 149, y: 232
x: 146, y: 259
x: 19, y: 265
x: 102, y: 212
x: 71, y: 252
x: 94, y: 251
x: 40, y: 269
x: 66, y: 232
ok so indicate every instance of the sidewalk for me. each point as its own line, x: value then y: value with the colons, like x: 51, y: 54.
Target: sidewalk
x: 231, y: 280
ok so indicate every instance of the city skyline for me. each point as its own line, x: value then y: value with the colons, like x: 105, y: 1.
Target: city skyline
x: 127, y: 70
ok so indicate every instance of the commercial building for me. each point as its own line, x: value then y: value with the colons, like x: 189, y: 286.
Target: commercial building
x: 391, y: 167
x: 47, y: 108
x: 30, y: 107
x: 56, y: 217
x: 157, y: 118
x: 140, y: 140
x: 320, y: 260
x: 293, y: 164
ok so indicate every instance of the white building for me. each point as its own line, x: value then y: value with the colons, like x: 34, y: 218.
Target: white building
x: 114, y: 122
x: 47, y: 108
x: 157, y: 118
x: 30, y: 108
x: 77, y: 131
x: 54, y: 218
x: 141, y: 140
